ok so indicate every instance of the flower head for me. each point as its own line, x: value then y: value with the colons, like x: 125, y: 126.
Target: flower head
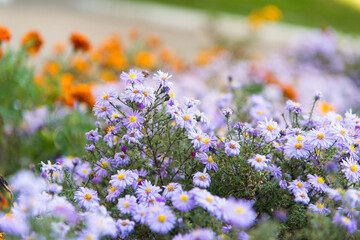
x: 80, y: 42
x: 32, y: 41
x: 87, y: 198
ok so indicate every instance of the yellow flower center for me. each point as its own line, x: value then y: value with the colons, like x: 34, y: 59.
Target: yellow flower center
x: 170, y: 188
x: 163, y: 78
x: 104, y: 164
x: 110, y: 128
x: 353, y: 168
x: 132, y: 76
x: 186, y: 118
x: 124, y: 223
x: 89, y: 237
x: 320, y: 180
x: 202, y: 178
x: 85, y: 171
x: 342, y: 132
x: 206, y: 141
x: 184, y: 198
x: 135, y: 91
x: 239, y: 210
x: 346, y: 219
x: 88, y: 197
x: 209, y: 199
x: 132, y: 119
x: 320, y: 136
x: 320, y: 205
x: 300, y: 185
x: 270, y: 127
x: 259, y: 159
x: 103, y: 108
x: 298, y: 146
x: 161, y: 218
x: 148, y: 190
x: 126, y: 204
x: 121, y: 176
x: 210, y: 160
x: 112, y: 189
x: 198, y: 137
x: 145, y: 94
x: 299, y: 138
x: 106, y: 96
x: 232, y: 146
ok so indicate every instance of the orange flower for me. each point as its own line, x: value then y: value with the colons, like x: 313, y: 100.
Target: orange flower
x: 52, y: 68
x: 80, y: 64
x: 325, y: 107
x: 59, y: 47
x: 66, y: 81
x: 107, y: 75
x: 4, y: 34
x: 80, y: 42
x: 153, y: 41
x: 82, y: 92
x: 39, y: 79
x: 32, y: 41
x: 289, y: 91
x: 144, y: 59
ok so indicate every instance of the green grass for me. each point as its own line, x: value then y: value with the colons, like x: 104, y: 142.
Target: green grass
x: 312, y: 13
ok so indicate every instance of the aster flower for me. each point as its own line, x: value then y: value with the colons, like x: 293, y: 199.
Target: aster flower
x: 102, y: 167
x: 207, y: 142
x: 195, y: 135
x: 171, y: 189
x: 208, y: 161
x: 302, y: 197
x: 163, y: 79
x: 186, y: 120
x: 125, y: 227
x: 183, y: 201
x: 133, y: 120
x: 296, y: 148
x: 317, y: 182
x: 123, y: 178
x: 319, y: 208
x: 348, y: 223
x: 269, y: 129
x: 133, y: 136
x: 146, y: 191
x: 202, y: 179
x: 132, y: 77
x: 121, y: 159
x: 86, y: 198
x: 83, y: 170
x: 106, y: 98
x: 161, y: 220
x: 240, y: 213
x: 299, y: 186
x: 205, y: 199
x: 351, y: 169
x: 139, y: 213
x: 201, y: 234
x: 191, y: 102
x: 319, y: 138
x: 93, y: 136
x: 113, y: 193
x: 103, y: 111
x: 126, y: 204
x: 259, y: 162
x: 89, y: 147
x: 100, y: 223
x: 232, y: 148
x: 12, y: 224
x: 227, y: 112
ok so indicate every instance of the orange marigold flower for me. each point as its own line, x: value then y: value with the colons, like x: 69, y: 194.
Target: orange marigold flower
x: 153, y: 41
x: 59, y: 47
x: 82, y: 93
x: 325, y: 107
x: 4, y: 34
x: 39, y: 79
x: 32, y: 41
x: 289, y: 91
x: 52, y: 68
x: 80, y: 63
x: 144, y: 59
x: 80, y: 42
x: 66, y: 81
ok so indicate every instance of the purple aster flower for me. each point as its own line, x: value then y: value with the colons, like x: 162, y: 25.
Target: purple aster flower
x: 161, y: 219
x: 302, y: 197
x: 269, y: 129
x: 294, y: 107
x: 103, y: 111
x: 133, y: 136
x: 126, y: 204
x: 334, y: 194
x: 13, y: 224
x: 205, y: 199
x: 208, y: 161
x: 183, y: 201
x: 299, y: 186
x: 146, y: 191
x: 139, y: 213
x: 319, y: 208
x: 319, y: 138
x: 259, y: 162
x: 195, y: 135
x: 163, y: 78
x: 227, y: 112
x: 125, y: 227
x: 133, y: 120
x: 132, y: 77
x: 201, y: 234
x: 351, y: 169
x: 121, y: 159
x: 317, y: 182
x: 232, y: 148
x: 202, y: 179
x: 283, y: 184
x: 207, y: 142
x: 123, y: 178
x: 87, y: 198
x: 113, y: 193
x: 106, y: 98
x: 348, y: 223
x: 102, y: 166
x: 171, y: 189
x: 186, y: 120
x: 240, y: 213
x: 191, y: 102
x: 296, y: 148
x: 276, y: 171
x: 83, y: 170
x: 89, y: 147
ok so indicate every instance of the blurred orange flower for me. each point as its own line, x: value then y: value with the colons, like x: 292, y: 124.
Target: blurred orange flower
x: 66, y: 81
x: 59, y: 47
x: 32, y: 41
x: 39, y: 79
x: 107, y: 75
x: 82, y: 93
x: 145, y: 59
x: 80, y: 42
x: 325, y: 107
x: 271, y: 13
x: 153, y: 40
x: 4, y: 34
x: 52, y: 68
x: 289, y: 91
x: 80, y: 64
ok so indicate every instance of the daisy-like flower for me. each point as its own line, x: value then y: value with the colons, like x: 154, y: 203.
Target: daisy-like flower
x: 103, y: 111
x: 125, y: 227
x: 139, y: 213
x: 298, y: 186
x: 302, y: 197
x: 161, y: 220
x: 319, y: 138
x: 201, y: 179
x: 195, y: 135
x: 232, y: 148
x: 207, y: 142
x: 296, y: 147
x: 132, y: 77
x: 133, y: 136
x: 239, y: 213
x: 191, y: 102
x: 83, y: 170
x: 341, y: 134
x: 317, y: 182
x: 350, y: 224
x: 87, y: 198
x: 205, y: 199
x: 183, y: 201
x: 171, y: 189
x: 102, y: 167
x: 351, y: 169
x: 121, y: 159
x: 133, y: 120
x: 163, y: 79
x: 259, y: 162
x: 126, y: 204
x: 146, y: 191
x: 106, y: 98
x: 93, y: 136
x: 269, y: 129
x: 187, y: 120
x: 123, y: 178
x: 208, y: 161
x: 113, y: 193
x: 319, y: 208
